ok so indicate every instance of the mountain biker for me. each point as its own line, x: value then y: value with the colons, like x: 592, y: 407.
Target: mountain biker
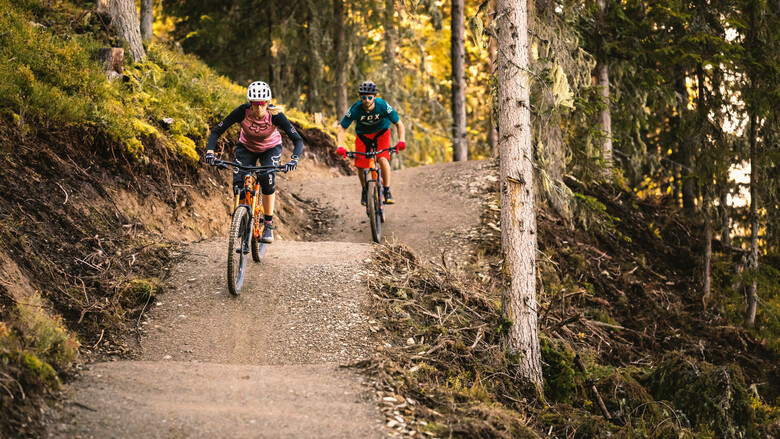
x: 372, y: 117
x: 259, y: 140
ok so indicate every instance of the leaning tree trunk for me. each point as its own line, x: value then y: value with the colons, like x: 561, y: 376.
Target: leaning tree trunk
x: 752, y: 298
x: 147, y: 19
x: 124, y: 19
x: 460, y: 147
x: 605, y: 117
x: 518, y: 213
x: 340, y: 59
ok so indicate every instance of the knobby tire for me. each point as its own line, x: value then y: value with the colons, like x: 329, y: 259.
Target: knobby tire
x: 373, y: 212
x: 240, y: 231
x: 258, y: 248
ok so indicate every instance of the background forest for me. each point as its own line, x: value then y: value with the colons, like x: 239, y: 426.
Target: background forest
x: 691, y: 86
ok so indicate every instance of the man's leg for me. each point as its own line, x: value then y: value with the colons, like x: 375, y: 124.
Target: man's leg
x: 384, y: 165
x: 363, y: 194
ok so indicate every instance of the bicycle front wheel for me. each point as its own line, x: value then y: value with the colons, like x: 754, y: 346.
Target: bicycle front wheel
x: 238, y: 249
x: 373, y: 212
x: 258, y: 248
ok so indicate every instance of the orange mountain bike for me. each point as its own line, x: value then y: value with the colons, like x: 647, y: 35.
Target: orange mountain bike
x: 247, y: 225
x: 374, y: 205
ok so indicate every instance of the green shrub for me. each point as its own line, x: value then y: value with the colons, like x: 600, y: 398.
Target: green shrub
x: 712, y: 397
x: 558, y: 371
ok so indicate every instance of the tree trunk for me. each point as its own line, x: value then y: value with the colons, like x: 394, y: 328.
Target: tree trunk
x: 340, y: 59
x: 492, y: 131
x: 389, y: 25
x: 707, y: 277
x: 518, y: 213
x: 147, y: 19
x: 725, y: 216
x: 685, y: 147
x: 460, y: 147
x: 752, y: 298
x: 124, y: 19
x: 313, y: 96
x: 605, y: 117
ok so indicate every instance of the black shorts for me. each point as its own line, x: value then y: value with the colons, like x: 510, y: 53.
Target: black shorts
x: 269, y: 157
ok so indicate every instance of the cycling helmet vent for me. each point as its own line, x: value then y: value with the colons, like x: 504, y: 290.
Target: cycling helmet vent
x: 367, y: 87
x: 258, y: 91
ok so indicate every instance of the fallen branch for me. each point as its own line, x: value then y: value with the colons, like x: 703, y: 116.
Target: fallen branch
x: 581, y: 367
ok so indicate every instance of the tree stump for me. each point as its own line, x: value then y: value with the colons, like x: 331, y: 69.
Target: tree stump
x: 113, y: 60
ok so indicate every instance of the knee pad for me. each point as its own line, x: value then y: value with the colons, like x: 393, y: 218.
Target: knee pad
x: 268, y: 183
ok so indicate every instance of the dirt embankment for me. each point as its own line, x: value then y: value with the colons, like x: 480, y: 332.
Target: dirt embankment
x: 90, y: 229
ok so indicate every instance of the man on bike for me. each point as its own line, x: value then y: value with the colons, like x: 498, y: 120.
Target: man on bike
x: 259, y: 140
x: 372, y: 117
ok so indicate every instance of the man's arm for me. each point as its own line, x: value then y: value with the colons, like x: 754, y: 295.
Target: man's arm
x: 401, y: 131
x: 340, y: 134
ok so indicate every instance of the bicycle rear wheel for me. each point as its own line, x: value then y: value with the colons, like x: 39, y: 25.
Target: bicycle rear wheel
x: 373, y: 212
x: 238, y: 249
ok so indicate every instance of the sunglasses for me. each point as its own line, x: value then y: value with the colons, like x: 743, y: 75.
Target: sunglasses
x: 367, y: 98
x: 261, y: 103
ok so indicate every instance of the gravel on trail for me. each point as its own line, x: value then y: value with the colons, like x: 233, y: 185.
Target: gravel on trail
x: 267, y: 363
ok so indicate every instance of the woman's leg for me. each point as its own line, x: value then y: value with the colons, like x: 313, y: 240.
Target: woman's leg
x: 271, y: 157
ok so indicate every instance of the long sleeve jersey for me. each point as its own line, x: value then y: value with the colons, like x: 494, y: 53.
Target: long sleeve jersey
x: 257, y: 135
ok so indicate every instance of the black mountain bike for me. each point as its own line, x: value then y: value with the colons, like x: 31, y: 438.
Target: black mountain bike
x: 374, y: 204
x: 247, y: 225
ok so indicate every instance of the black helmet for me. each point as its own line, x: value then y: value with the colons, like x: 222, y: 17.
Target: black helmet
x: 367, y: 88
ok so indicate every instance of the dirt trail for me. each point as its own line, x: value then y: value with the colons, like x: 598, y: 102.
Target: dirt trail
x: 266, y: 364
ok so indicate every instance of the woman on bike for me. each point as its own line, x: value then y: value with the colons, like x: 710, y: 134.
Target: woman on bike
x: 372, y: 117
x: 259, y: 140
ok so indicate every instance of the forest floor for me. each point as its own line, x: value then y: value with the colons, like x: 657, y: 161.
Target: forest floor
x: 269, y: 362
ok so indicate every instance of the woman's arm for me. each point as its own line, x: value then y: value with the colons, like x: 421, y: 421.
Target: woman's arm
x: 236, y: 116
x: 281, y: 121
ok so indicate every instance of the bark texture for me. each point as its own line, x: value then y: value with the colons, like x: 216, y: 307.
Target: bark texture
x: 605, y: 117
x: 124, y: 19
x: 518, y: 215
x: 389, y: 25
x: 460, y: 147
x: 492, y: 130
x: 147, y: 19
x: 341, y: 59
x: 725, y: 217
x: 707, y: 275
x: 752, y: 297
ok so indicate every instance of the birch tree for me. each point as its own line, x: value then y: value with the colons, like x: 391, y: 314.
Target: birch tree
x: 518, y: 212
x: 605, y: 117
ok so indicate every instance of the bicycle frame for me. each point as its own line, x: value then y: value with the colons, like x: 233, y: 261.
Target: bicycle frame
x: 245, y: 226
x: 252, y: 200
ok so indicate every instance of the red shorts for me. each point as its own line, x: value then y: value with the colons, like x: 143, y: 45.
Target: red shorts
x: 382, y: 142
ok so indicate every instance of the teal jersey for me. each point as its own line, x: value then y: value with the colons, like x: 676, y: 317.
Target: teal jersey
x: 367, y: 122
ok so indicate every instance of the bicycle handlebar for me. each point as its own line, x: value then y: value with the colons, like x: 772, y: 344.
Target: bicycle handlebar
x: 224, y: 164
x: 351, y: 154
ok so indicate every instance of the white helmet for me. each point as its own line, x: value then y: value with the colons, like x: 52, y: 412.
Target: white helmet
x: 258, y: 91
